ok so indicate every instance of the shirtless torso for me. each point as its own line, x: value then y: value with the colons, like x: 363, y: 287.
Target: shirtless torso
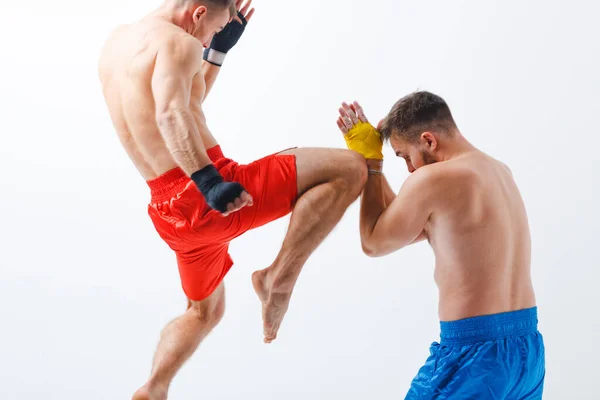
x: 470, y: 210
x: 467, y: 205
x: 136, y: 66
x: 479, y: 233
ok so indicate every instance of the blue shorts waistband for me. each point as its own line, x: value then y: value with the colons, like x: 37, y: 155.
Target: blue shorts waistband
x: 489, y: 327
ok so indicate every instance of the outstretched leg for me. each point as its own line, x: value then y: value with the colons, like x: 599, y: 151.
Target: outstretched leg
x: 179, y: 340
x: 329, y: 181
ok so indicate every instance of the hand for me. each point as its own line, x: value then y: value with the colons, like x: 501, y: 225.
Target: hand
x: 359, y: 134
x: 244, y: 12
x: 244, y: 200
x: 226, y: 39
x: 224, y: 197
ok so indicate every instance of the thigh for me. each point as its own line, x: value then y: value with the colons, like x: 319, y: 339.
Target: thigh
x: 203, y: 269
x: 476, y: 371
x: 531, y: 370
x: 422, y: 386
x: 272, y: 182
x: 320, y: 165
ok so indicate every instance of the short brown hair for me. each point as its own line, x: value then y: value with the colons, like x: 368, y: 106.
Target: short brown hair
x: 417, y: 113
x: 222, y: 4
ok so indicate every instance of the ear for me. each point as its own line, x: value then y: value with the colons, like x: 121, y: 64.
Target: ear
x: 199, y: 13
x: 429, y: 140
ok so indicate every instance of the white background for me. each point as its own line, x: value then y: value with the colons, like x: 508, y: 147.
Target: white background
x: 86, y: 285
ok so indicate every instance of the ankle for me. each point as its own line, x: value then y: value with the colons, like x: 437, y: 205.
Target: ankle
x: 283, y: 284
x: 148, y: 392
x: 279, y: 299
x: 157, y: 388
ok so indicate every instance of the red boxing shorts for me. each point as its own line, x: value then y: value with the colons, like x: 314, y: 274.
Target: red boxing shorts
x: 199, y: 235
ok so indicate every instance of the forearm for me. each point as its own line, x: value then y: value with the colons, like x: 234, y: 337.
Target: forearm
x: 223, y: 42
x: 181, y: 133
x: 210, y: 72
x: 388, y: 193
x: 373, y: 204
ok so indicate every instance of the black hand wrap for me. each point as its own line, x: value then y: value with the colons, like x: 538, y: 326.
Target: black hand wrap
x: 225, y: 40
x: 216, y: 191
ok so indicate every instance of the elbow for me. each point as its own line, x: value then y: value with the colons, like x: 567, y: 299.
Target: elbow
x: 166, y: 114
x: 370, y: 249
x: 164, y: 117
x: 370, y: 253
x: 380, y: 248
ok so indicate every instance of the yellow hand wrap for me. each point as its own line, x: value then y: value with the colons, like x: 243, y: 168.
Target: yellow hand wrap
x: 366, y: 140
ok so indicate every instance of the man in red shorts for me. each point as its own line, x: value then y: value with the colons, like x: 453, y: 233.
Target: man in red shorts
x: 155, y: 75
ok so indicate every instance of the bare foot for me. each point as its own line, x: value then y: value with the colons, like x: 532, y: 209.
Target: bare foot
x: 274, y: 305
x: 145, y: 394
x: 260, y: 285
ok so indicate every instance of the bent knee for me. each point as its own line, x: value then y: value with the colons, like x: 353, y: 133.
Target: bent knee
x: 208, y: 313
x: 356, y: 171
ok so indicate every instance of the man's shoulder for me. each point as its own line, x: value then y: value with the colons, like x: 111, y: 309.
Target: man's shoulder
x: 443, y: 180
x: 167, y: 38
x: 444, y: 171
x: 112, y: 45
x: 119, y: 34
x: 181, y: 47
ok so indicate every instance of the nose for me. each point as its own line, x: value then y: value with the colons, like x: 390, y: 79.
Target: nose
x: 410, y: 167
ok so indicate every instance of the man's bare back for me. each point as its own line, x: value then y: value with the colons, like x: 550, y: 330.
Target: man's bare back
x: 127, y: 71
x: 480, y: 236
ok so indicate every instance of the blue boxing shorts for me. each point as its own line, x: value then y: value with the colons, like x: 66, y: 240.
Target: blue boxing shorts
x: 500, y: 356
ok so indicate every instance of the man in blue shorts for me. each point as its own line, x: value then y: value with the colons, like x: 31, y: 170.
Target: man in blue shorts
x: 468, y: 207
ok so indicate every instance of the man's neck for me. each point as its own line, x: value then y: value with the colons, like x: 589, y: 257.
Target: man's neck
x: 455, y: 147
x: 172, y: 12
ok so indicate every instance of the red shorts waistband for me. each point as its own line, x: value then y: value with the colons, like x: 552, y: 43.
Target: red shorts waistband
x: 173, y: 181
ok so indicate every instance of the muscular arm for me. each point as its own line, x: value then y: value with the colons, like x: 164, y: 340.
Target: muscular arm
x: 174, y: 71
x: 384, y: 230
x: 196, y: 100
x: 423, y: 235
x: 388, y: 193
x: 210, y: 73
x: 389, y: 196
x: 223, y: 42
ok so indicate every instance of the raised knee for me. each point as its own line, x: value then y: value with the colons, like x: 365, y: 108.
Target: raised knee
x: 218, y: 312
x: 209, y: 314
x: 357, y: 173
